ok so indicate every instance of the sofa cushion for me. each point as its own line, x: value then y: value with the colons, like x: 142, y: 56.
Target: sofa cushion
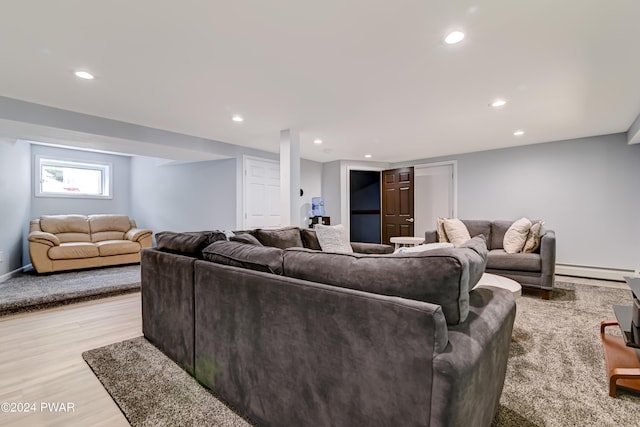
x: 108, y: 227
x: 260, y: 258
x: 498, y: 230
x: 440, y: 276
x: 283, y: 238
x: 189, y: 243
x: 215, y: 236
x: 310, y: 239
x: 117, y: 247
x: 74, y: 250
x: 477, y: 227
x: 333, y: 238
x: 498, y: 259
x: 371, y: 248
x: 516, y: 236
x: 68, y: 228
x: 245, y: 238
x: 457, y: 232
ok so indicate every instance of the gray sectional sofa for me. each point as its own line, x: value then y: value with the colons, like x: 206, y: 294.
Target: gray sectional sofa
x: 532, y: 270
x: 289, y: 335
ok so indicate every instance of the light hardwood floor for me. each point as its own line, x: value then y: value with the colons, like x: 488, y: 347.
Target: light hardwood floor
x: 41, y: 362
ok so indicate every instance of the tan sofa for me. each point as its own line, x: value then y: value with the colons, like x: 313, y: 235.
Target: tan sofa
x: 70, y: 242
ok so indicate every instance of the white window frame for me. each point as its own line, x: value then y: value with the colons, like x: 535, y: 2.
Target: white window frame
x: 105, y: 168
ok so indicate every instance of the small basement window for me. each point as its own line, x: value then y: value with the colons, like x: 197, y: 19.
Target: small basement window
x: 69, y: 178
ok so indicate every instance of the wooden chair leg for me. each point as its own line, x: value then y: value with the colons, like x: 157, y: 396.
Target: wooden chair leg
x: 606, y: 323
x: 619, y: 374
x: 612, y: 387
x: 545, y: 293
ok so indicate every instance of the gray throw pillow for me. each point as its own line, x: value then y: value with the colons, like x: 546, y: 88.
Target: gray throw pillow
x: 283, y: 238
x: 252, y: 257
x: 310, y: 239
x: 245, y: 238
x: 189, y: 244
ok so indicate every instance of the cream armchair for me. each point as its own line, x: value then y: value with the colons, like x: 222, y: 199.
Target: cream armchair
x: 70, y: 242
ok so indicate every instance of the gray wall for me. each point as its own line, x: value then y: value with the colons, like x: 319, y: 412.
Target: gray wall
x: 311, y: 183
x: 121, y: 171
x: 15, y: 185
x: 202, y: 196
x: 585, y: 189
x: 331, y: 191
x: 183, y: 197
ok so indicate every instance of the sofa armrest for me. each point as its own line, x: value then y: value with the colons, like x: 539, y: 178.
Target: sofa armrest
x: 469, y: 374
x: 39, y: 245
x: 431, y: 236
x: 548, y: 259
x: 137, y: 234
x: 167, y: 304
x: 371, y: 248
x: 44, y: 238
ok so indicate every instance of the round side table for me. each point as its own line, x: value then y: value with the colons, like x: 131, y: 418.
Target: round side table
x: 489, y: 279
x: 406, y: 241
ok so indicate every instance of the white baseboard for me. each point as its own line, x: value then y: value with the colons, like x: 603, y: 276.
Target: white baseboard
x: 594, y: 272
x: 11, y: 274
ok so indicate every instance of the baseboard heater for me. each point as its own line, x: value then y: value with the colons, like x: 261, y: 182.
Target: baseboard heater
x: 616, y: 274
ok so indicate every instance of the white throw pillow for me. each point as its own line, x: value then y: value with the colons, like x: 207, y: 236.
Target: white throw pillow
x: 533, y: 238
x: 457, y: 232
x: 442, y: 235
x: 333, y: 238
x: 516, y: 236
x: 422, y: 248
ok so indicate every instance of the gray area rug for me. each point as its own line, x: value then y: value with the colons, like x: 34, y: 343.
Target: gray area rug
x: 151, y: 390
x: 555, y: 376
x: 30, y: 291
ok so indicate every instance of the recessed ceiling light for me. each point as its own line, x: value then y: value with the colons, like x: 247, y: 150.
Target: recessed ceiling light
x: 317, y: 141
x: 237, y: 118
x: 498, y: 103
x: 454, y: 37
x: 367, y: 156
x: 84, y: 75
x: 519, y: 132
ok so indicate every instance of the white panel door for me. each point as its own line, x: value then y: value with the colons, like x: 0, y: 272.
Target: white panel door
x: 434, y: 192
x: 261, y: 193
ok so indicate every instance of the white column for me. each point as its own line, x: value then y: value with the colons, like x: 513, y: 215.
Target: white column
x: 289, y: 177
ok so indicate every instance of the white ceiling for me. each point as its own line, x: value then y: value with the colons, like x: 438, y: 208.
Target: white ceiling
x: 365, y: 76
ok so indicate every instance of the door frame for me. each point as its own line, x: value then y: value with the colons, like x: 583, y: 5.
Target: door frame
x: 346, y: 185
x: 453, y: 163
x: 346, y: 201
x: 244, y: 183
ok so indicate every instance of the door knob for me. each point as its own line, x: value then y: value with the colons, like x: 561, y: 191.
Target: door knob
x: 409, y: 219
